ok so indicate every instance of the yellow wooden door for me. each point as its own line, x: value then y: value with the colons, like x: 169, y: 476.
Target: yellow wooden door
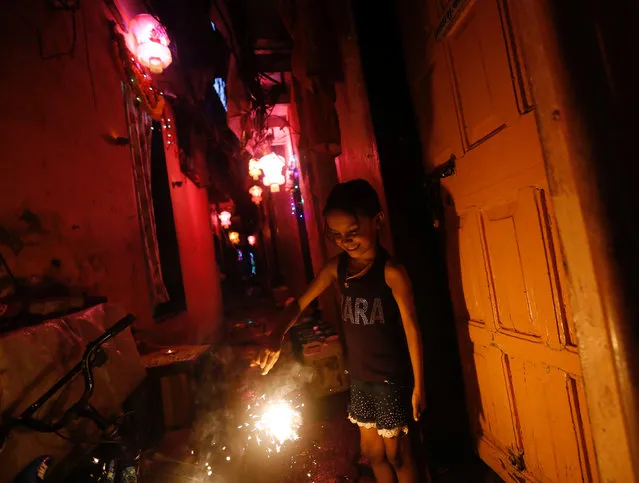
x: 521, y: 365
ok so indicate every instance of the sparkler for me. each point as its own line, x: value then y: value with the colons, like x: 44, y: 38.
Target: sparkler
x: 267, y: 426
x: 262, y: 423
x: 280, y: 421
x: 273, y: 423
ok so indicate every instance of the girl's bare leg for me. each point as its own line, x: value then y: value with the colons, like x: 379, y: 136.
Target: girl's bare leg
x: 373, y: 448
x: 399, y: 454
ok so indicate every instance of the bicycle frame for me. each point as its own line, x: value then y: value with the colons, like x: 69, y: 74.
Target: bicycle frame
x: 93, y: 356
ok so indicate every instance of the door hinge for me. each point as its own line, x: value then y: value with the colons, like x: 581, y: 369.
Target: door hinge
x: 432, y: 184
x: 442, y: 171
x: 516, y: 460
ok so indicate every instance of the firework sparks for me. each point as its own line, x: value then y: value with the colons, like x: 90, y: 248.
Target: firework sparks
x: 272, y: 423
x: 263, y: 423
x: 280, y: 421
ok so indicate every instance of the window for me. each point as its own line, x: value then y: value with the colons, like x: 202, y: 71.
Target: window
x: 220, y: 88
x: 165, y: 229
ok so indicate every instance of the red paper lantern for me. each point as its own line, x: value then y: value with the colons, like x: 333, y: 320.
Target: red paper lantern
x: 272, y: 166
x: 150, y: 43
x: 254, y: 169
x: 252, y: 240
x: 256, y: 194
x: 225, y: 219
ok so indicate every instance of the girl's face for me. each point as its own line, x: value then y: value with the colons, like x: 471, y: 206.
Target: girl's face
x: 356, y: 236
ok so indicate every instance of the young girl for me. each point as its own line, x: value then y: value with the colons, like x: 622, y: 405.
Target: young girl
x: 382, y: 336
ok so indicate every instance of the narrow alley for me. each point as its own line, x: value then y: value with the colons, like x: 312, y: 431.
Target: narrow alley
x: 270, y: 241
x: 221, y: 443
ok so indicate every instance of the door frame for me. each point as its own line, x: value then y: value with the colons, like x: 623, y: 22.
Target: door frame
x: 601, y: 299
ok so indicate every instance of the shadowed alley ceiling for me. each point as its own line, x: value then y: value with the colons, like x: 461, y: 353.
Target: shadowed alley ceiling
x: 271, y: 41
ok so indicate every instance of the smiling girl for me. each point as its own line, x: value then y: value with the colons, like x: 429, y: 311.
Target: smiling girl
x: 382, y: 336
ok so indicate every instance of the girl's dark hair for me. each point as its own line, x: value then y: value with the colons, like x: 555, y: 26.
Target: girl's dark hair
x: 356, y: 197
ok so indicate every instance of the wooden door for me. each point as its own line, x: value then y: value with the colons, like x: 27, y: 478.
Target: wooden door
x: 519, y: 353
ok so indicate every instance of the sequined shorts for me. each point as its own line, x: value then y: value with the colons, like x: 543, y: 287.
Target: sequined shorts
x: 384, y: 406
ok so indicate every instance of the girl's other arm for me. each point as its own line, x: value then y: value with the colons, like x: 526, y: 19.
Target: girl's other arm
x: 293, y: 312
x: 397, y: 279
x: 268, y: 357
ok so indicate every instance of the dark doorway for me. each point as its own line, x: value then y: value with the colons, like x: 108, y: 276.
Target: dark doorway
x: 165, y: 227
x: 418, y: 244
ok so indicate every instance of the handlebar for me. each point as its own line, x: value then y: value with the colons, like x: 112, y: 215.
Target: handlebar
x: 93, y: 356
x: 114, y: 330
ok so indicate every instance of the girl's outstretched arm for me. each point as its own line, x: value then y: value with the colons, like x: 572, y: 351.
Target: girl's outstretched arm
x: 269, y: 355
x: 397, y: 279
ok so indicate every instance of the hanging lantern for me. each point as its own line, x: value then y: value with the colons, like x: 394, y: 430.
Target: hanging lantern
x: 225, y: 219
x: 272, y: 166
x: 234, y: 237
x: 252, y: 240
x: 254, y: 169
x: 256, y: 194
x: 150, y: 43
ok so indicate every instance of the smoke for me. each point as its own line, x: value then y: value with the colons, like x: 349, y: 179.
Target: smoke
x: 290, y: 377
x: 227, y: 388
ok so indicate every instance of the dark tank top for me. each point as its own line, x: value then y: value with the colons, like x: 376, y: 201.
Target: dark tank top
x: 376, y: 348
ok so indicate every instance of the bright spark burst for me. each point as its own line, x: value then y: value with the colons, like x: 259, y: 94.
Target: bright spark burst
x: 272, y: 423
x: 268, y: 424
x: 280, y: 422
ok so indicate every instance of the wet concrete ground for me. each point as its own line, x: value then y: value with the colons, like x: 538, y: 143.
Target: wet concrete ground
x: 217, y: 448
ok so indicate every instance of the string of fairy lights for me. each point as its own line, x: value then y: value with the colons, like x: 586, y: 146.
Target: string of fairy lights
x: 296, y: 199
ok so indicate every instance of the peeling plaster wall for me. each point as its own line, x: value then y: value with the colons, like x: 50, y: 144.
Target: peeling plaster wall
x: 67, y: 200
x: 66, y: 193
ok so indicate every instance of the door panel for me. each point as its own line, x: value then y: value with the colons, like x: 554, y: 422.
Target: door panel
x: 481, y: 72
x: 494, y: 383
x: 521, y: 269
x: 552, y: 426
x: 522, y: 372
x: 440, y: 127
x: 475, y: 293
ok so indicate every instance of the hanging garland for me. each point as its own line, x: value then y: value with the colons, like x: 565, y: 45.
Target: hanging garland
x: 146, y: 94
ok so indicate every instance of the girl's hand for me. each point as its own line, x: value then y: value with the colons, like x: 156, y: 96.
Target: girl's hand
x: 419, y: 402
x: 269, y: 355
